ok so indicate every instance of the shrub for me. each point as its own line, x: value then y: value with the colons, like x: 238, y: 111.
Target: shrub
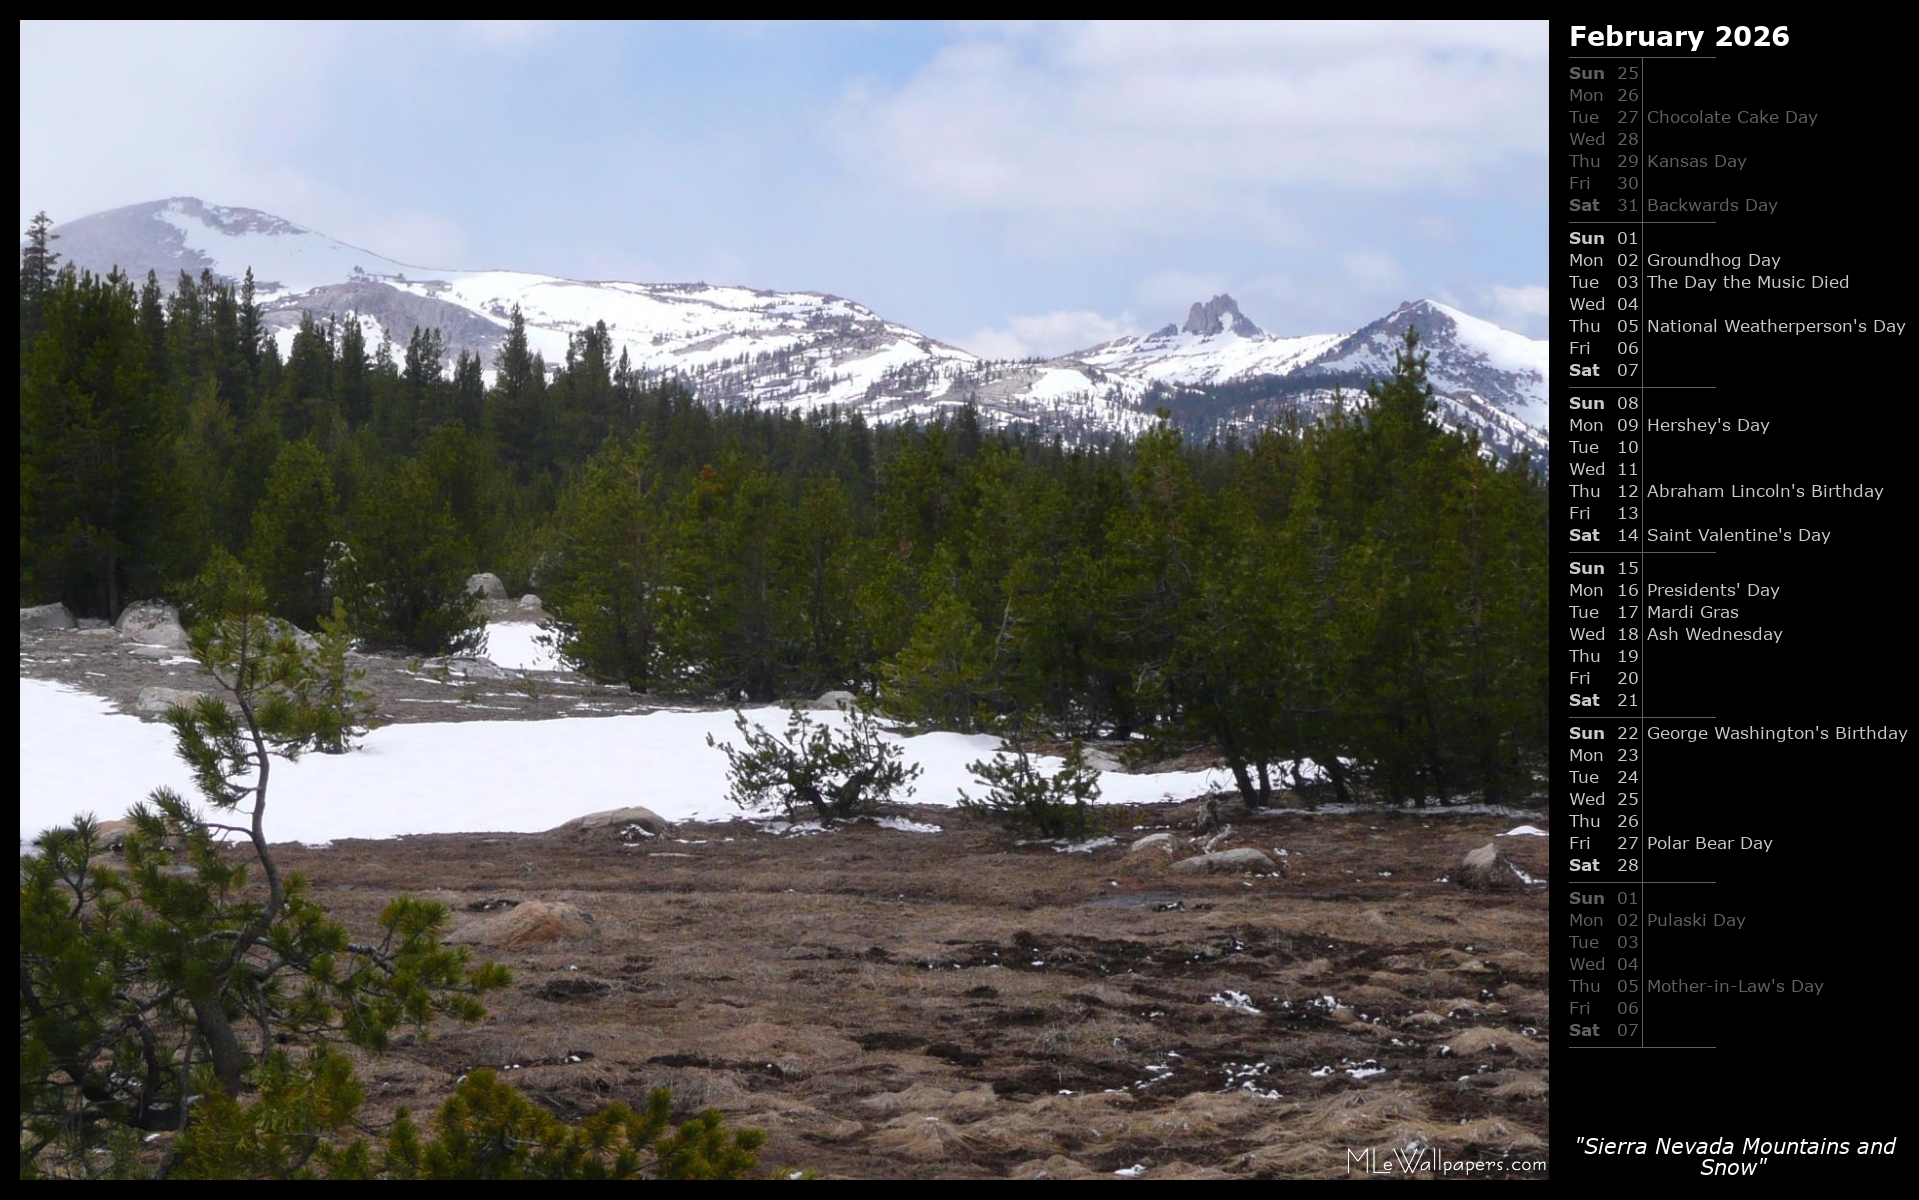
x: 1059, y: 805
x: 299, y: 1128
x: 813, y: 770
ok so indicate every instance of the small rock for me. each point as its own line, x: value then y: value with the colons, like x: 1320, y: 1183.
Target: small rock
x: 534, y: 923
x: 834, y: 702
x: 287, y: 629
x: 618, y: 819
x: 530, y: 601
x: 465, y: 667
x: 1227, y: 862
x: 159, y: 699
x: 1153, y: 841
x: 487, y: 585
x: 93, y: 623
x: 112, y: 835
x: 1485, y: 868
x: 563, y: 989
x: 46, y: 616
x: 152, y: 623
x: 1100, y: 760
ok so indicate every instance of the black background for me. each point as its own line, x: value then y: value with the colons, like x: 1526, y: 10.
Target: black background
x: 1828, y: 902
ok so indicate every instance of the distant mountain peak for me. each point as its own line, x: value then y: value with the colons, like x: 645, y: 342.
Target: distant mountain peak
x: 231, y: 221
x: 1219, y: 315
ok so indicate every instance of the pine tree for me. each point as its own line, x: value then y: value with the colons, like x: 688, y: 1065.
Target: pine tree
x: 813, y: 770
x: 196, y: 957
x: 353, y: 380
x: 404, y: 575
x: 944, y: 678
x: 91, y: 449
x: 293, y: 534
x: 515, y: 413
x: 38, y: 266
x: 605, y: 590
x: 1056, y: 805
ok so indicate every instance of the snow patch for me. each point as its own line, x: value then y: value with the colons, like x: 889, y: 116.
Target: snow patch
x: 464, y: 777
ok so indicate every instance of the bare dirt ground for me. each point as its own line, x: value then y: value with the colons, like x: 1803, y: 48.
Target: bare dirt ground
x: 891, y: 1004
x: 900, y: 1005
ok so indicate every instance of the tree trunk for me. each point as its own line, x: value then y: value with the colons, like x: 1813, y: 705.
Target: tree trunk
x: 224, y: 1051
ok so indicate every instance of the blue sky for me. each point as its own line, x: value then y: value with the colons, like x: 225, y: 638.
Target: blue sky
x: 1023, y: 188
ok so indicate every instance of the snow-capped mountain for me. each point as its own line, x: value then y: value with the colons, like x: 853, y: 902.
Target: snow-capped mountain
x: 802, y: 349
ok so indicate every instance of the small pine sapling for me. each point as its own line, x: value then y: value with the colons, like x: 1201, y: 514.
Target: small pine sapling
x: 1057, y: 805
x: 812, y: 769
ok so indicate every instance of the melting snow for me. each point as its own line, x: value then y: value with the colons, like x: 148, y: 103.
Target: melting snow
x: 460, y: 777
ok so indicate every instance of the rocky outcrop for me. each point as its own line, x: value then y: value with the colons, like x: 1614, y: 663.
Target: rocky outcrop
x: 534, y: 923
x: 465, y: 666
x: 618, y: 820
x: 47, y: 616
x: 152, y: 623
x: 157, y: 700
x: 530, y: 601
x: 1242, y: 861
x: 486, y: 585
x: 834, y: 702
x: 1218, y: 315
x: 1162, y: 842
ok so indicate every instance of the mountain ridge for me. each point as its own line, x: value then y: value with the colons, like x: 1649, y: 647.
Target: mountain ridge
x: 794, y: 349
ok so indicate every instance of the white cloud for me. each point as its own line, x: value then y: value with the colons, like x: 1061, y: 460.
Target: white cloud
x: 1521, y: 309
x: 1374, y: 272
x: 424, y: 239
x: 1103, y: 130
x: 1171, y: 291
x: 1044, y: 335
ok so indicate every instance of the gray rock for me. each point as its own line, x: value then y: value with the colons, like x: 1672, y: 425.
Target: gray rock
x: 47, y: 616
x: 1216, y: 315
x: 1228, y: 862
x: 160, y: 699
x: 487, y: 585
x: 466, y: 667
x: 301, y: 638
x: 530, y: 601
x: 1485, y: 869
x: 93, y: 623
x: 617, y: 819
x: 834, y: 702
x: 534, y: 923
x: 1163, y: 842
x: 1100, y: 760
x: 152, y: 623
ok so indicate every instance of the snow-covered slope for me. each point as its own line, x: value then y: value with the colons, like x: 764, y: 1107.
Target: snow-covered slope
x: 739, y: 345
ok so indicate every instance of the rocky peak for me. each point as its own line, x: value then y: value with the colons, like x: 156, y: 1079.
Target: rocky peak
x: 1217, y: 315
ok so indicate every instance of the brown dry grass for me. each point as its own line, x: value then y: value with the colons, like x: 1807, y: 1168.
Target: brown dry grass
x: 870, y: 998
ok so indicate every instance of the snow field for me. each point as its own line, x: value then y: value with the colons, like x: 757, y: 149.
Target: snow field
x: 79, y: 755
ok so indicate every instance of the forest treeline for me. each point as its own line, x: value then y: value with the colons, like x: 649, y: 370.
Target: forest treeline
x: 1367, y: 593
